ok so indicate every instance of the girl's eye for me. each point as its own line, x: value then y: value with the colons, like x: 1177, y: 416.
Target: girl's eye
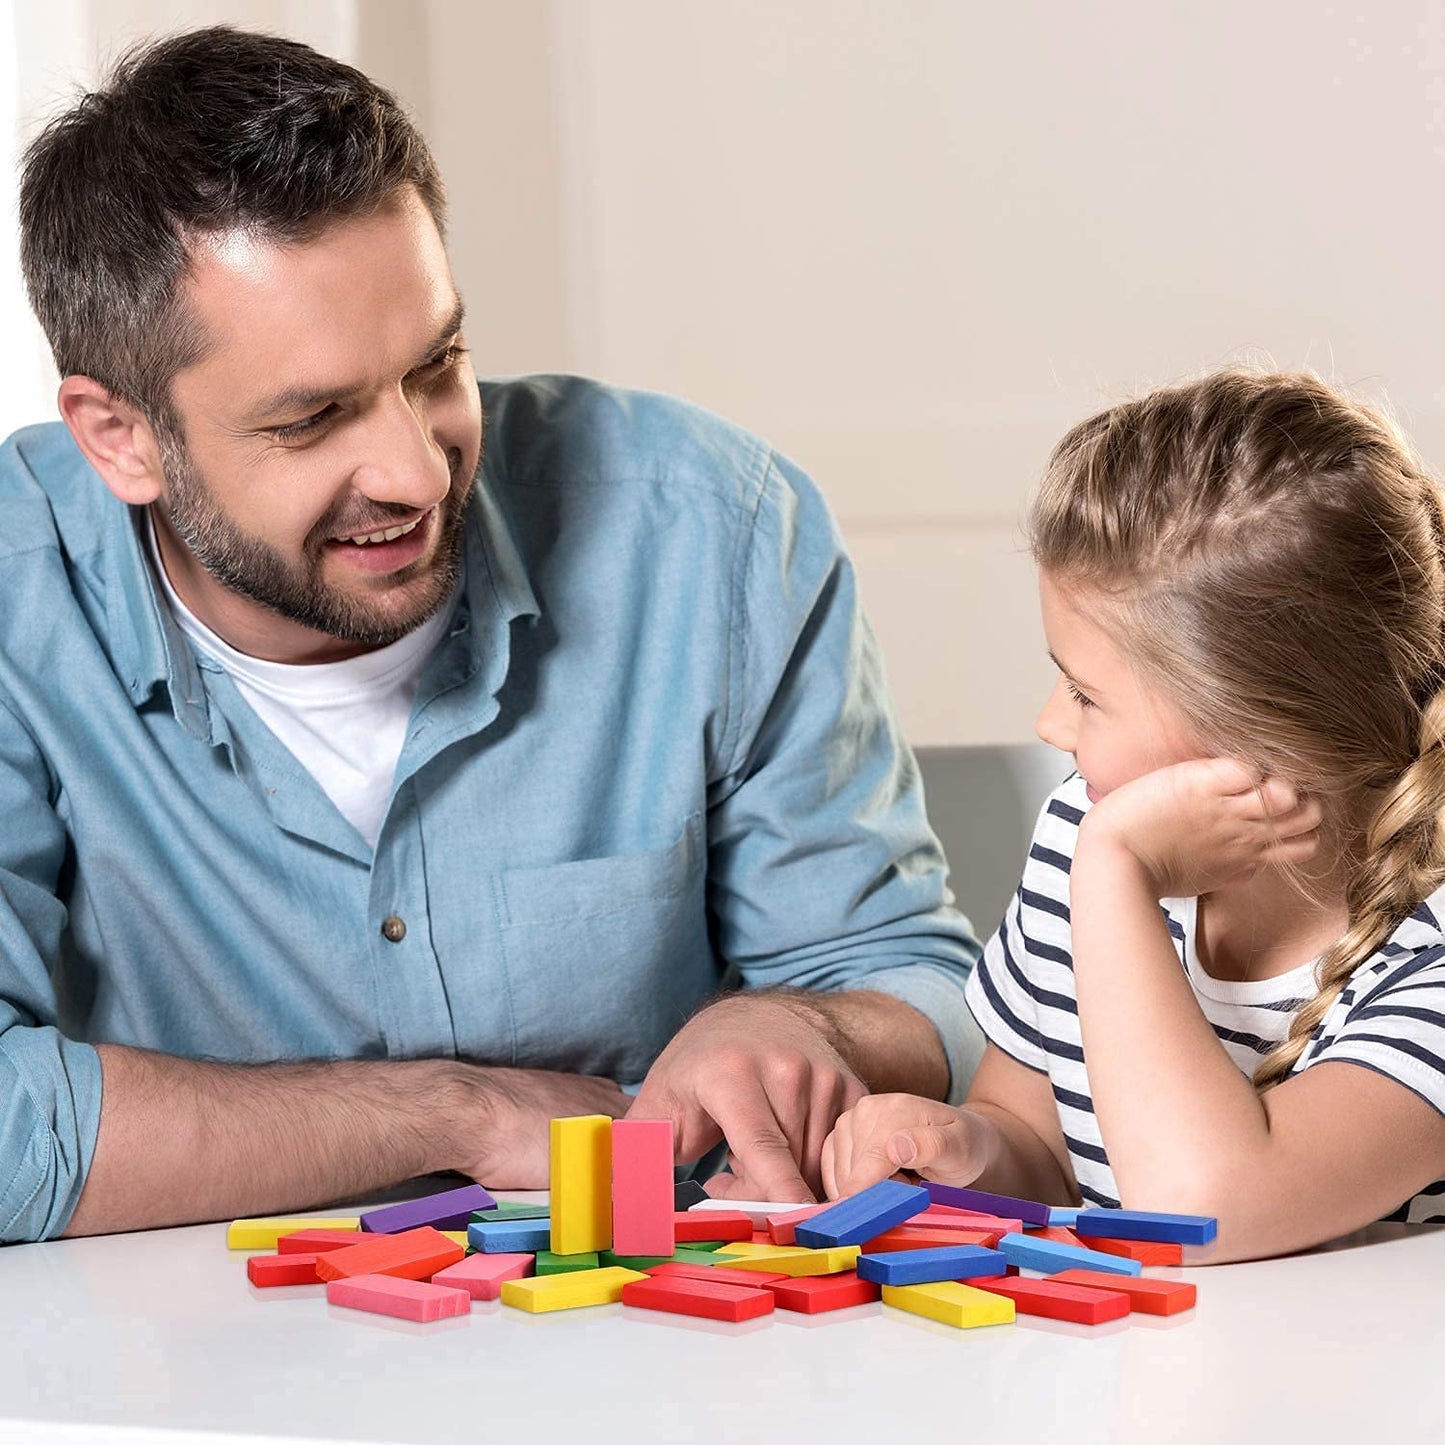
x: 297, y: 429
x: 1082, y: 699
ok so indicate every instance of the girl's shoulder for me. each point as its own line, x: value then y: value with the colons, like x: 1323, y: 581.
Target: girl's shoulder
x: 1057, y: 825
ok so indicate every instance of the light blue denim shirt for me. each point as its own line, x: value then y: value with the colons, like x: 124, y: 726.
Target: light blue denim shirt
x: 652, y: 748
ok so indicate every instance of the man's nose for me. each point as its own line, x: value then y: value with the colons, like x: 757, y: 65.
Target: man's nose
x: 404, y: 463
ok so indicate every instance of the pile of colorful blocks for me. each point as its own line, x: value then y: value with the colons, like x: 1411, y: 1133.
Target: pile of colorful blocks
x: 612, y: 1232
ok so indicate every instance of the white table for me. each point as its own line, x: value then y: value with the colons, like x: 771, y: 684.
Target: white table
x: 159, y: 1336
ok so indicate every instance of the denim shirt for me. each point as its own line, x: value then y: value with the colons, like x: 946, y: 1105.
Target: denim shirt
x: 652, y: 753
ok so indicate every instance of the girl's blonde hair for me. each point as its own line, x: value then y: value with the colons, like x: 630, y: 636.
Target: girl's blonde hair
x: 1271, y: 554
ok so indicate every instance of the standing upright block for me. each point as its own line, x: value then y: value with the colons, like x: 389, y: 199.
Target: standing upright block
x: 1004, y: 1204
x: 451, y: 1209
x: 862, y: 1216
x: 642, y: 1212
x: 1136, y: 1224
x: 582, y: 1184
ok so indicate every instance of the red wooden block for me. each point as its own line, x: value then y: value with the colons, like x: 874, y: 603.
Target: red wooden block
x: 483, y: 1275
x: 643, y: 1219
x: 1058, y: 1233
x: 706, y: 1224
x: 782, y: 1228
x: 945, y: 1216
x: 413, y: 1254
x: 265, y: 1270
x: 913, y: 1236
x: 1147, y: 1296
x: 1146, y: 1251
x: 407, y: 1299
x: 704, y: 1298
x: 318, y: 1241
x: 815, y: 1295
x: 718, y: 1273
x: 1055, y: 1301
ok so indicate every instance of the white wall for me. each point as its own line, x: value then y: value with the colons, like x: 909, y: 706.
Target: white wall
x: 911, y: 241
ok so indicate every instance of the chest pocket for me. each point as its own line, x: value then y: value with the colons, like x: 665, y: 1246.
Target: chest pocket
x: 607, y: 957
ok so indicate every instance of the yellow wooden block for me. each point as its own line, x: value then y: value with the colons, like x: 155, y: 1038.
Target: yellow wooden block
x: 457, y: 1236
x: 951, y: 1303
x: 581, y: 1179
x: 263, y: 1233
x: 789, y: 1260
x: 571, y: 1291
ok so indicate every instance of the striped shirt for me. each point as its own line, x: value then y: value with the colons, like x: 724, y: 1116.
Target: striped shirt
x: 1390, y: 1016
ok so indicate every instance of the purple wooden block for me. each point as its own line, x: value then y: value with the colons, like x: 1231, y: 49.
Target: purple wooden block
x: 450, y: 1210
x: 1000, y: 1204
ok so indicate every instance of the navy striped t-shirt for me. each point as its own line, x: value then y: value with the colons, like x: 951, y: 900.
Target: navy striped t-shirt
x: 1389, y: 1017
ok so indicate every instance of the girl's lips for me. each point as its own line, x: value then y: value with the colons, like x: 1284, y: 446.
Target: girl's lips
x: 383, y: 557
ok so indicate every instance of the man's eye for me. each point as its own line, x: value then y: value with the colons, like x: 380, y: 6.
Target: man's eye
x: 1082, y: 699
x: 297, y: 429
x: 442, y: 363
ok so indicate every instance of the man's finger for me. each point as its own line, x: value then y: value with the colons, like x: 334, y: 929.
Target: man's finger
x: 760, y: 1147
x: 930, y: 1146
x: 693, y: 1132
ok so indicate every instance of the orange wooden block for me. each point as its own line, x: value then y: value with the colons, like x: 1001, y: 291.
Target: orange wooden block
x: 1146, y: 1251
x: 1058, y: 1233
x: 413, y: 1254
x: 1147, y: 1296
x: 710, y: 1224
x: 267, y: 1270
x: 318, y: 1241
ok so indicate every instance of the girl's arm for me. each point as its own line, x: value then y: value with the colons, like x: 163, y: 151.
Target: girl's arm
x: 1328, y: 1151
x: 1006, y: 1138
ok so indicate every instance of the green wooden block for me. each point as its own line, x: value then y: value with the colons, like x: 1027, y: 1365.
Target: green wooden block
x: 505, y: 1210
x: 688, y: 1254
x: 708, y: 1244
x: 549, y: 1263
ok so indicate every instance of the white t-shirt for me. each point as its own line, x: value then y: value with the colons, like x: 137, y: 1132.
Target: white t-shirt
x: 345, y: 722
x: 1390, y: 1016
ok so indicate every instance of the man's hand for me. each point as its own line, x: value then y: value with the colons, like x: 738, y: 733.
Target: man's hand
x: 762, y: 1072
x: 504, y: 1115
x: 887, y: 1132
x: 1196, y: 826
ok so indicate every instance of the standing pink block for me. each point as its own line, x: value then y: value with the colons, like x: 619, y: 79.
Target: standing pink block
x: 642, y: 1187
x: 782, y: 1228
x: 407, y: 1299
x: 483, y: 1275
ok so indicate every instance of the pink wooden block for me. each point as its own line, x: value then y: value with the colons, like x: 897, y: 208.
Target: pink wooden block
x: 782, y: 1228
x: 407, y: 1299
x: 483, y: 1275
x: 642, y: 1187
x: 944, y: 1216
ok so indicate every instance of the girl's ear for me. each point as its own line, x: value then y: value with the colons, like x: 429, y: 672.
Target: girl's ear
x: 116, y: 439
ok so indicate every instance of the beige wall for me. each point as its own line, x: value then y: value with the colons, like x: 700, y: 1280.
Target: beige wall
x: 910, y: 242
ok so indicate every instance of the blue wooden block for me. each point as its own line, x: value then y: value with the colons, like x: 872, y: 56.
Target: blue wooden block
x: 1136, y: 1224
x: 1028, y: 1252
x: 1064, y: 1218
x: 1004, y: 1205
x: 863, y: 1216
x: 928, y: 1266
x: 511, y: 1236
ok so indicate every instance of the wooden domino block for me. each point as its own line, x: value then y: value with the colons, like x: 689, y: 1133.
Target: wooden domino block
x: 1004, y: 1205
x: 726, y: 1225
x: 862, y: 1216
x: 642, y: 1212
x: 707, y: 1299
x: 702, y: 1258
x: 1147, y: 1296
x: 581, y: 1174
x: 318, y: 1241
x: 263, y: 1233
x: 1057, y: 1233
x: 1137, y: 1224
x: 1143, y: 1250
x: 406, y: 1299
x: 757, y: 1210
x: 1052, y: 1300
x: 939, y: 1217
x: 511, y: 1236
x: 568, y: 1291
x: 820, y: 1293
x: 752, y: 1278
x: 511, y: 1209
x: 451, y: 1209
x: 913, y: 1236
x: 268, y: 1270
x: 959, y: 1305
x: 782, y: 1227
x: 482, y: 1275
x: 930, y: 1266
x: 1026, y: 1252
x: 548, y: 1263
x: 416, y: 1254
x: 779, y: 1259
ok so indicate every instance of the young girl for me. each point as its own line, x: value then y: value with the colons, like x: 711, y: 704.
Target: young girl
x: 1220, y: 988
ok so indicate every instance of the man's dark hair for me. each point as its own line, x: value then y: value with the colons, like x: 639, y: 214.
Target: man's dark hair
x: 200, y: 133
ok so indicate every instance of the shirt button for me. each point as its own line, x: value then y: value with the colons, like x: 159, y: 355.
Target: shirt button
x: 393, y: 929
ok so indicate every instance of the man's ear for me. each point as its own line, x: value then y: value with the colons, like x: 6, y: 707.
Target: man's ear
x: 116, y: 438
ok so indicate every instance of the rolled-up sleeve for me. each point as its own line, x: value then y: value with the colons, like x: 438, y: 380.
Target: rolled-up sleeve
x: 50, y: 1086
x: 823, y: 871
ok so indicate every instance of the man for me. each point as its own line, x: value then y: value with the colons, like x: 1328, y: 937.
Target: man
x: 372, y: 796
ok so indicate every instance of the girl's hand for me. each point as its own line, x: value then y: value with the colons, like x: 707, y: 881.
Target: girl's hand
x: 883, y: 1133
x: 1196, y: 826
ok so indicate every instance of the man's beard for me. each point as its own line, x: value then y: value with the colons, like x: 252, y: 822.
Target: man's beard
x: 299, y: 592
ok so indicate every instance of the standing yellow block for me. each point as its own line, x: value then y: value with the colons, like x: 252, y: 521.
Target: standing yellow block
x: 570, y: 1291
x: 581, y: 1184
x: 785, y: 1259
x: 263, y: 1233
x: 950, y: 1303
